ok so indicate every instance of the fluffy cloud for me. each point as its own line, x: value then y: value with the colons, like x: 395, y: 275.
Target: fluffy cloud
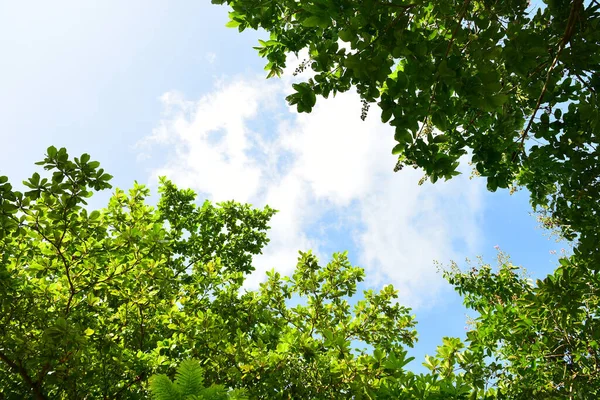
x: 241, y: 142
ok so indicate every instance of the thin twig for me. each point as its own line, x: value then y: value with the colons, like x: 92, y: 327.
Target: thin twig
x: 584, y: 83
x: 565, y: 39
x: 65, y: 263
x: 537, y: 69
x: 460, y: 18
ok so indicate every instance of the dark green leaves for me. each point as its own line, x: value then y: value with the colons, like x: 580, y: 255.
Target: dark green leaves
x: 304, y: 98
x: 481, y: 74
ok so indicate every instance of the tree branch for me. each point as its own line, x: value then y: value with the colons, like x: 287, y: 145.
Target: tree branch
x: 583, y: 82
x: 575, y: 7
x: 460, y: 19
x: 65, y: 263
x: 35, y: 386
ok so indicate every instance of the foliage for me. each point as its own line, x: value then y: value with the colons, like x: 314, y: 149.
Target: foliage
x: 93, y: 303
x: 188, y: 385
x: 543, y: 339
x: 511, y: 85
x: 89, y: 300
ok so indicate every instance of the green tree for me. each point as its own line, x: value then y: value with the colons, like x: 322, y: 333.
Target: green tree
x: 542, y: 339
x: 93, y: 303
x: 511, y: 85
x: 89, y: 300
x: 515, y: 88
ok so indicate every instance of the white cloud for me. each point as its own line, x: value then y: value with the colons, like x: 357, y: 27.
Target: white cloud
x: 241, y: 142
x: 338, y: 154
x: 210, y: 140
x: 407, y: 228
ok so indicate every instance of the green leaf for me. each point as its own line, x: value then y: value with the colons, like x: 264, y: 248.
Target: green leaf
x: 232, y: 24
x: 499, y: 99
x: 398, y: 149
x: 346, y: 35
x: 312, y: 21
x: 439, y: 120
x: 403, y: 135
x: 51, y: 151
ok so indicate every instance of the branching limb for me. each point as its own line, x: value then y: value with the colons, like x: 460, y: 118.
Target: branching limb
x: 35, y: 386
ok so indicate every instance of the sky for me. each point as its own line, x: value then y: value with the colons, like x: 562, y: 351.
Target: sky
x: 152, y: 88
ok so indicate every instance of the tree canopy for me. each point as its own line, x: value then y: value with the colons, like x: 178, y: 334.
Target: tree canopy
x: 114, y: 303
x: 93, y: 303
x: 509, y: 84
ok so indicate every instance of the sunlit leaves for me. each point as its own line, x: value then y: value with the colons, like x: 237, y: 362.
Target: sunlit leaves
x: 95, y: 302
x: 541, y: 338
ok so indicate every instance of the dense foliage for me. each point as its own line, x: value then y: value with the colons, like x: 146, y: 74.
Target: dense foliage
x: 93, y: 303
x: 543, y: 340
x: 110, y: 303
x: 511, y: 83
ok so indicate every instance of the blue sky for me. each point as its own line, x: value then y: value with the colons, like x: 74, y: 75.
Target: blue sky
x: 151, y: 88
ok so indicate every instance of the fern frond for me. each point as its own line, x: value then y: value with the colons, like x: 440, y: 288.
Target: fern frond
x: 188, y: 378
x: 161, y: 388
x: 215, y: 392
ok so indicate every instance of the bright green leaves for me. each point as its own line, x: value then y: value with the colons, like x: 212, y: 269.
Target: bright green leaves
x: 313, y: 21
x: 270, y: 49
x: 65, y: 191
x: 241, y: 229
x: 397, y: 363
x: 189, y: 384
x: 236, y: 20
x: 532, y: 333
x: 103, y: 287
x: 316, y: 337
x: 398, y: 149
x: 118, y: 294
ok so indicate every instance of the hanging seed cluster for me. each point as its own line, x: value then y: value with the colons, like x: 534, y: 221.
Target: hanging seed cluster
x: 300, y: 69
x: 365, y: 110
